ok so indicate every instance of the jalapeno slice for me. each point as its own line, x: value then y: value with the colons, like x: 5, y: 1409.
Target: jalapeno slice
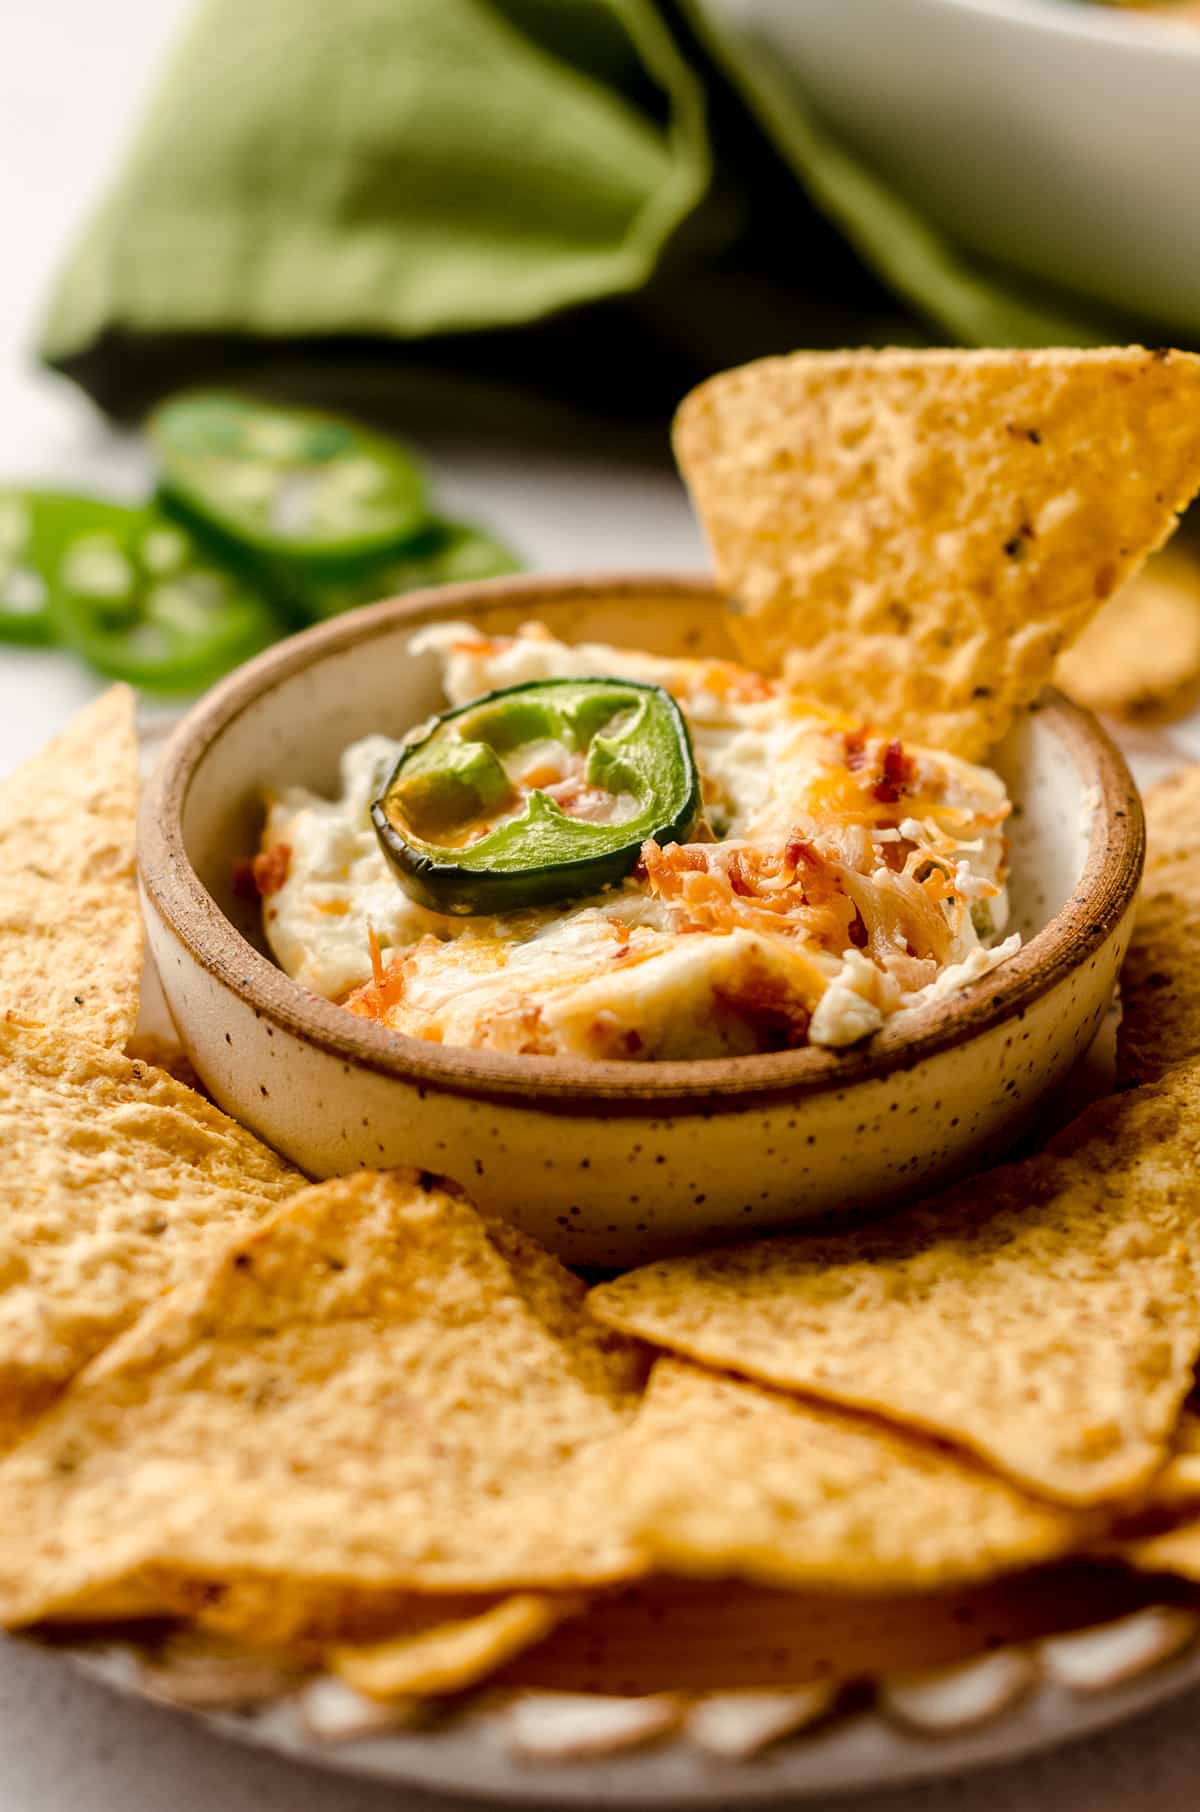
x: 33, y: 527
x: 134, y: 595
x: 287, y: 481
x: 441, y: 555
x: 537, y: 793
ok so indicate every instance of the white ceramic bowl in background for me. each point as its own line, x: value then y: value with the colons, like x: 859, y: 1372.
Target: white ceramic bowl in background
x: 1060, y: 138
x: 608, y: 1163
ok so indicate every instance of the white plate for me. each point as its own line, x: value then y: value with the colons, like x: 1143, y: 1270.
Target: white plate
x: 469, y: 1753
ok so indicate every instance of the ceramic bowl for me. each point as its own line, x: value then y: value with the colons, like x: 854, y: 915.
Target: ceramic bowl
x: 609, y: 1163
x: 1057, y: 139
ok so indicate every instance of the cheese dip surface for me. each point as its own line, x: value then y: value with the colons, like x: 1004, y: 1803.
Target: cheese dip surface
x: 834, y: 878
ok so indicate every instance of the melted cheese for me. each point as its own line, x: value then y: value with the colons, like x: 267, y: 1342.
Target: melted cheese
x: 847, y: 882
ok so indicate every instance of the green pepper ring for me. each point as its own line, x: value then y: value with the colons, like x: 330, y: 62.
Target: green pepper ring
x: 172, y: 431
x: 440, y: 879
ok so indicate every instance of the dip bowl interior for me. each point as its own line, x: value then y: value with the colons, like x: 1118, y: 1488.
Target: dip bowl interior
x: 609, y: 1163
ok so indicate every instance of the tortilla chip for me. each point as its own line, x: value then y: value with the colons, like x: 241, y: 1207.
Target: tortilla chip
x: 729, y: 1479
x: 448, y: 1657
x: 696, y: 1636
x: 72, y: 956
x: 165, y: 1054
x: 1160, y: 983
x: 1045, y: 1316
x: 915, y: 536
x: 1139, y: 657
x: 115, y: 1182
x: 70, y: 921
x: 1177, y: 1486
x: 191, y: 1669
x: 1175, y: 1550
x: 67, y: 813
x: 374, y: 1392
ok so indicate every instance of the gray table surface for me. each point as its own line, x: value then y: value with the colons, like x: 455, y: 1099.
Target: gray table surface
x: 70, y: 75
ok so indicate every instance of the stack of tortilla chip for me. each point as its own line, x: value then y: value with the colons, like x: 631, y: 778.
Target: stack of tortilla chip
x: 1160, y: 985
x: 362, y: 1426
x: 359, y: 1423
x: 115, y: 1179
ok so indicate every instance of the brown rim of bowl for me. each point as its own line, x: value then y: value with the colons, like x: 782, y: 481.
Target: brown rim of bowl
x: 1106, y: 891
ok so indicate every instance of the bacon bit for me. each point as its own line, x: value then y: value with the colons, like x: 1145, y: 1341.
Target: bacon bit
x: 855, y: 742
x: 682, y: 858
x: 739, y: 880
x: 265, y: 874
x: 271, y: 869
x: 899, y: 771
x: 800, y: 849
x: 242, y: 877
x: 779, y: 1018
x: 793, y: 891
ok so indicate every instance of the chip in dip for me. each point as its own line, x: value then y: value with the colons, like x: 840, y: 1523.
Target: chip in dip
x: 835, y: 877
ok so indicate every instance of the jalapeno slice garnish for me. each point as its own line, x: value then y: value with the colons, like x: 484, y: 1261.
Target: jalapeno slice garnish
x: 440, y: 555
x: 287, y: 481
x: 537, y: 793
x: 34, y: 525
x: 133, y: 594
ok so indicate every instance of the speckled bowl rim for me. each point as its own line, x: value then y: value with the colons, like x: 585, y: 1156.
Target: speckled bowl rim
x: 1106, y: 891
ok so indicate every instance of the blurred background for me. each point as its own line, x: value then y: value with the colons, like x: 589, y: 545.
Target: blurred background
x: 511, y: 234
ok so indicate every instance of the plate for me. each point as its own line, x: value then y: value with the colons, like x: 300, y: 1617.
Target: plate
x: 469, y: 1753
x: 470, y: 1750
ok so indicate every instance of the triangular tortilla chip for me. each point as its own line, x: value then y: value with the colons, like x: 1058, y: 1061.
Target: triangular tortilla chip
x: 1160, y: 983
x: 70, y: 921
x: 67, y: 813
x: 1175, y: 1550
x: 1177, y: 1486
x: 72, y: 956
x: 115, y: 1181
x: 915, y: 536
x: 728, y: 1478
x: 443, y: 1656
x: 1139, y: 657
x: 374, y: 1391
x: 1045, y: 1315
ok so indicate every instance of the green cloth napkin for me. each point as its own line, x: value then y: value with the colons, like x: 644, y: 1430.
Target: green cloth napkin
x: 318, y: 170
